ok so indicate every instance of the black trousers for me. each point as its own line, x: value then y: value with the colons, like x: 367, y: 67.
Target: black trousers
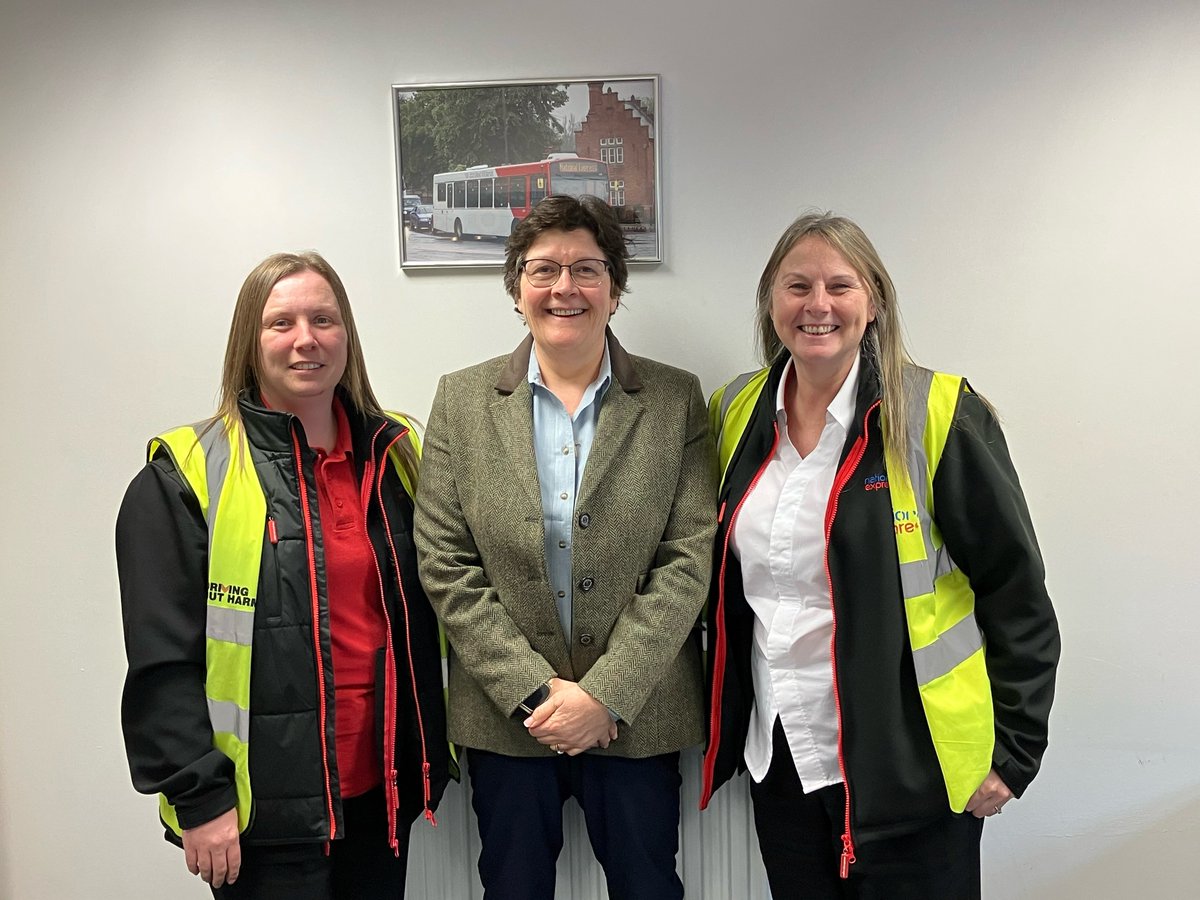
x: 630, y: 806
x: 360, y: 864
x: 801, y: 839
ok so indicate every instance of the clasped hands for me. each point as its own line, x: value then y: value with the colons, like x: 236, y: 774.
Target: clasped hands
x: 570, y: 720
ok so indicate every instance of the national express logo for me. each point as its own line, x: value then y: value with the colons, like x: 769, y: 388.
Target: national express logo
x: 876, y: 482
x: 906, y: 521
x: 230, y: 595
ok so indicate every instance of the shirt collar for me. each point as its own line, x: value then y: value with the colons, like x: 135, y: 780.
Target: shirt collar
x: 596, y: 387
x: 841, y: 408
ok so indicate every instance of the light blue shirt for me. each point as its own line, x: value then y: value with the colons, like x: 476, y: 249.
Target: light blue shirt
x: 561, y: 443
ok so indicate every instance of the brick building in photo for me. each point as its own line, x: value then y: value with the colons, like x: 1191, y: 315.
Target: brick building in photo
x: 620, y: 132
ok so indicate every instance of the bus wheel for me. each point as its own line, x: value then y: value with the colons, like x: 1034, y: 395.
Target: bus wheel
x: 458, y: 229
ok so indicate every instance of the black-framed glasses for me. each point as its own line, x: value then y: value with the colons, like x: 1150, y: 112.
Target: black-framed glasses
x: 545, y: 272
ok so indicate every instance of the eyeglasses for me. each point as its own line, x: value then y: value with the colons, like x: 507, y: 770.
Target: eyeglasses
x: 545, y: 272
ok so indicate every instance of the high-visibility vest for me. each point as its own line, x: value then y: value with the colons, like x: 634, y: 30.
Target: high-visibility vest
x: 234, y: 506
x: 947, y: 645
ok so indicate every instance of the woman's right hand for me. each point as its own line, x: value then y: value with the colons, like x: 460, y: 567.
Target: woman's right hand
x: 212, y: 850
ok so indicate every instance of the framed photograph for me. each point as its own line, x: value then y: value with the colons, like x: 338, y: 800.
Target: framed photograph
x: 473, y: 158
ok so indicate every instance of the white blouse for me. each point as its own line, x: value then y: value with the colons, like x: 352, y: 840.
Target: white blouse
x: 779, y: 538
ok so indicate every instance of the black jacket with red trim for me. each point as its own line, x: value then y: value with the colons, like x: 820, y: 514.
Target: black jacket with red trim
x: 162, y: 560
x: 893, y: 777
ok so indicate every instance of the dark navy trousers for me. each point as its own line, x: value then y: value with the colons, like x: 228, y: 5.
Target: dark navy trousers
x: 630, y: 806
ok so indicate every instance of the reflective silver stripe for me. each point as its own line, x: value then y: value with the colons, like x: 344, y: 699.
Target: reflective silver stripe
x: 953, y: 645
x: 733, y: 389
x: 943, y: 564
x: 917, y: 577
x: 230, y: 624
x: 230, y: 718
x: 216, y: 463
x: 914, y: 578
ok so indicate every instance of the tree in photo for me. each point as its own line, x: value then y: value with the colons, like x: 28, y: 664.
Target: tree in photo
x: 443, y: 130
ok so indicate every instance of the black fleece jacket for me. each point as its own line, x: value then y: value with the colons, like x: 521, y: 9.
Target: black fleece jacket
x: 893, y: 777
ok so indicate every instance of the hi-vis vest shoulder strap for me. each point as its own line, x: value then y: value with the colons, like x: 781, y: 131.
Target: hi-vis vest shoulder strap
x: 729, y: 413
x: 214, y: 459
x: 947, y: 645
x: 407, y: 478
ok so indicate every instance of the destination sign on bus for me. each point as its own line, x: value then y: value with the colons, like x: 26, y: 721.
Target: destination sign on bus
x: 582, y: 168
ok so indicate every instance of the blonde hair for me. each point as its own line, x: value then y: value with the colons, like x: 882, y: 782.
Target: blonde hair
x: 883, y: 341
x: 242, y: 370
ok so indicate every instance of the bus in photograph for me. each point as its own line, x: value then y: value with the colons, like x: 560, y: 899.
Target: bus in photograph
x: 488, y: 201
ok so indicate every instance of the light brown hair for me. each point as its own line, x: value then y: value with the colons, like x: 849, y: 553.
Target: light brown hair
x: 242, y: 370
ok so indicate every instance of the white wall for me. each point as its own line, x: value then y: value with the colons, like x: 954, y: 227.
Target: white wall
x: 1027, y: 170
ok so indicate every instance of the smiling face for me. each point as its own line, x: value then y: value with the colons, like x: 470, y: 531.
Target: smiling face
x: 567, y: 320
x: 820, y: 308
x: 302, y: 344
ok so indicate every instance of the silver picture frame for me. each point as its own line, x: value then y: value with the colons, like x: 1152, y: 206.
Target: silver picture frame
x: 473, y: 157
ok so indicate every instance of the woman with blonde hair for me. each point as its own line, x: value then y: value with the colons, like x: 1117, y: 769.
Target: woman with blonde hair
x: 284, y: 692
x: 882, y: 649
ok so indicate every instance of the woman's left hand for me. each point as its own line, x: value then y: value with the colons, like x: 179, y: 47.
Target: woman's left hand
x: 571, y: 720
x: 989, y: 798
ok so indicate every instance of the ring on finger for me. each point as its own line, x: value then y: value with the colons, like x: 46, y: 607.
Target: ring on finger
x: 999, y: 809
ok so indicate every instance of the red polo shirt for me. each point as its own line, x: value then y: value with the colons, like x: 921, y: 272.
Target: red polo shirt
x: 356, y: 620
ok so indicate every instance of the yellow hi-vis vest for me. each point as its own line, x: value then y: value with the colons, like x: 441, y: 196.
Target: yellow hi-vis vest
x: 947, y: 645
x: 234, y: 507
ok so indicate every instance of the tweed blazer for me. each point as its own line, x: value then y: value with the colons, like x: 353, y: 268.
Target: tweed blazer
x: 641, y: 551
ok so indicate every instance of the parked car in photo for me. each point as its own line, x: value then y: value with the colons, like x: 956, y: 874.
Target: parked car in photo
x: 419, y: 217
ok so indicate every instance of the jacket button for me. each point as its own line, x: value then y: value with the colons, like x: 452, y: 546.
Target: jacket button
x: 588, y: 583
x: 585, y: 639
x: 584, y: 520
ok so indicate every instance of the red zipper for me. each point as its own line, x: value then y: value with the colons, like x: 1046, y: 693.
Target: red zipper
x: 710, y: 756
x: 843, y: 476
x: 391, y: 791
x: 412, y: 672
x: 316, y: 630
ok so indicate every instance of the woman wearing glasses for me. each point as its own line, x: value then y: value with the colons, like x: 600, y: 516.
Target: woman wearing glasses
x: 564, y: 526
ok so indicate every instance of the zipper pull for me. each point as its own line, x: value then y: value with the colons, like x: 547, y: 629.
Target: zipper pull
x: 271, y: 532
x: 847, y: 856
x: 428, y: 793
x: 721, y: 512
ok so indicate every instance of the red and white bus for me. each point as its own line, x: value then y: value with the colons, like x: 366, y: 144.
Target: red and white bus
x: 491, y: 200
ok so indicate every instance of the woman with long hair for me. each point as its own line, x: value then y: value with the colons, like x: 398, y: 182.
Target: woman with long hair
x: 284, y: 693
